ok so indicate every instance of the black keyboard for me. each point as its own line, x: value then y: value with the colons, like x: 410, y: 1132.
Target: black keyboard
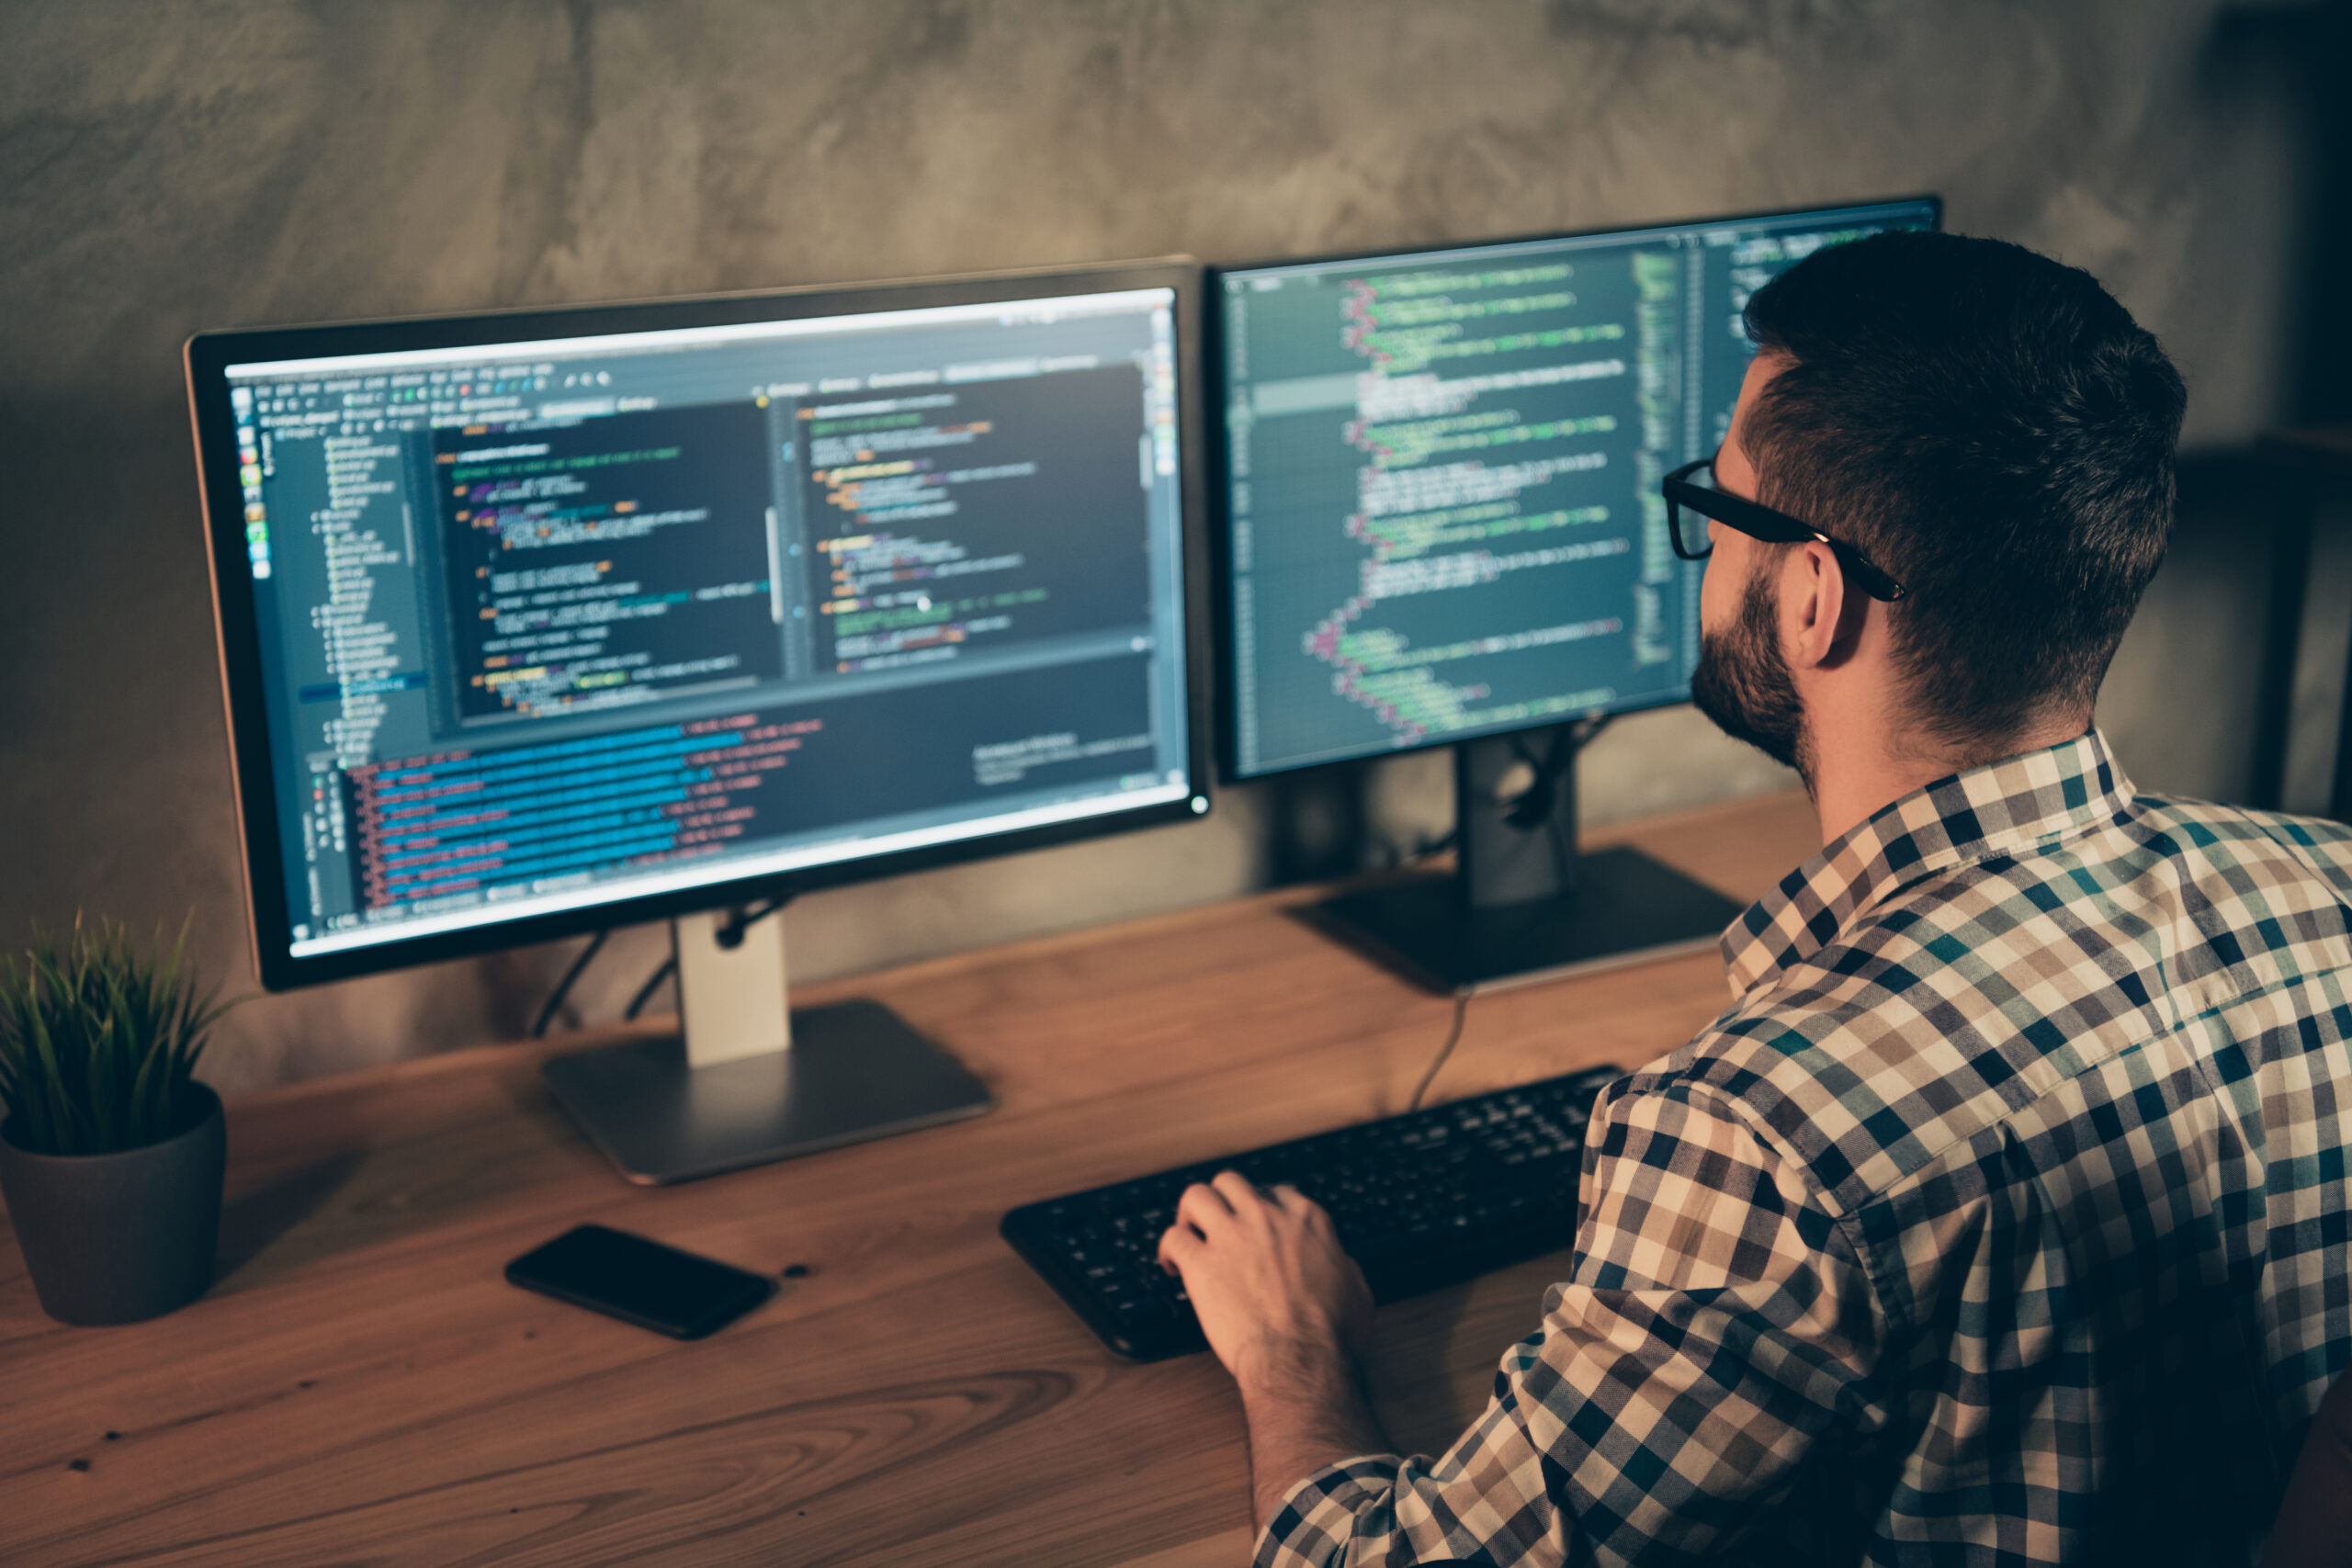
x: 1421, y: 1201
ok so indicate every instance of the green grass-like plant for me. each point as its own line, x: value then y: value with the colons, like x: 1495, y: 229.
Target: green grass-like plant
x: 99, y: 1038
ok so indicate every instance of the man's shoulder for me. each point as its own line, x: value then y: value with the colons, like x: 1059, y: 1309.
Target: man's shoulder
x: 1957, y: 999
x: 2209, y: 823
x: 1823, y: 1083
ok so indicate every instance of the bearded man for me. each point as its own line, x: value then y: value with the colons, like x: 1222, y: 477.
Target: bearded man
x: 2003, y: 1218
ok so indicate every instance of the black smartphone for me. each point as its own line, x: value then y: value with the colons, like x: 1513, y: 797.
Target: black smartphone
x: 639, y: 1281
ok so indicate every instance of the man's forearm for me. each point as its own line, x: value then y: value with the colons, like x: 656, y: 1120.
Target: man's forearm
x: 1306, y: 1408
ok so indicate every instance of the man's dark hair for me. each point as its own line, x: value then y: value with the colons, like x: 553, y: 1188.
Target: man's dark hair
x: 1993, y: 429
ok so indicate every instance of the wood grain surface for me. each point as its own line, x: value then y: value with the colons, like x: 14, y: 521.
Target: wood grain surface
x: 362, y: 1387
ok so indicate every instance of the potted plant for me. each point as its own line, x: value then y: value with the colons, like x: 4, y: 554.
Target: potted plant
x: 111, y: 1152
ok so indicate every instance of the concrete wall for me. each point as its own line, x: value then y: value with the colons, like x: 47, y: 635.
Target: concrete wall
x: 167, y: 168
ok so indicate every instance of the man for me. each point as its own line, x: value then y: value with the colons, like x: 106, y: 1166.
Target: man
x: 2003, y: 1218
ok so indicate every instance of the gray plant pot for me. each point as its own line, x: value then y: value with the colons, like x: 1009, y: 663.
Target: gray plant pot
x: 120, y: 1238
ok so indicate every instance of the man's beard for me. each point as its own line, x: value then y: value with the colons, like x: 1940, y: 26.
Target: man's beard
x: 1742, y: 681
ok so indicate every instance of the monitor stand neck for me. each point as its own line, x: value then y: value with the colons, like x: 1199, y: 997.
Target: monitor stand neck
x: 749, y: 1080
x: 732, y: 996
x: 1515, y: 815
x: 1524, y: 904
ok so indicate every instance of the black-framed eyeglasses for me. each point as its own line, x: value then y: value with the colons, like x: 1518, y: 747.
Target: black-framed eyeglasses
x: 1759, y: 522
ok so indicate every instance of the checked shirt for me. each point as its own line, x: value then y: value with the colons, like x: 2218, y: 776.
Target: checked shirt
x: 2003, y: 1218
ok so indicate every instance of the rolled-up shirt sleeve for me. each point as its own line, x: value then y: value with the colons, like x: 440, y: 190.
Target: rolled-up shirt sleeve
x: 1715, y: 1325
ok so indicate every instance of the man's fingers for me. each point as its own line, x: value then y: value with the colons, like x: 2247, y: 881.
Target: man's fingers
x: 1292, y: 1200
x: 1309, y: 1213
x: 1201, y: 1205
x: 1238, y: 1190
x: 1178, y: 1243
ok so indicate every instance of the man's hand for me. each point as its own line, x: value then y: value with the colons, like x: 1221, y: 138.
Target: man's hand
x: 1266, y: 1276
x: 1287, y: 1312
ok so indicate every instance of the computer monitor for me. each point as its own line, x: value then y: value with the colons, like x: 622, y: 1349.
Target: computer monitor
x: 541, y: 622
x: 1444, y: 528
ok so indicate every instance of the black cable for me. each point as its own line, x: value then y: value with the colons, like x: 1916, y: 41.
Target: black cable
x: 740, y: 919
x: 653, y: 984
x: 563, y: 986
x: 1399, y: 858
x: 1565, y: 745
x: 1453, y: 1038
x: 1533, y: 806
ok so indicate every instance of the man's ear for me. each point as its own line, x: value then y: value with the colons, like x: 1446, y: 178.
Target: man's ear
x: 1821, y: 620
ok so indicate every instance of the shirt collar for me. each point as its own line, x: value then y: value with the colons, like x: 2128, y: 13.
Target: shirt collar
x: 2005, y: 808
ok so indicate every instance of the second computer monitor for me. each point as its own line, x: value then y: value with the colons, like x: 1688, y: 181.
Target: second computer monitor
x: 1441, y: 477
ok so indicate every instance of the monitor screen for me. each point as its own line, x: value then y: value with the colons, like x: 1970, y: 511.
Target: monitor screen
x: 558, y: 621
x: 1441, y: 477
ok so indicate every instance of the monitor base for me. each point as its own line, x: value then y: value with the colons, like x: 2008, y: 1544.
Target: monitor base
x: 1624, y: 908
x: 854, y: 1070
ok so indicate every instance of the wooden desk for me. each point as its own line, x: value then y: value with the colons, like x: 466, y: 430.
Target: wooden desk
x: 361, y: 1385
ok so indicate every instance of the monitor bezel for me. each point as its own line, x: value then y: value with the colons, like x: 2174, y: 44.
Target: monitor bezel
x: 237, y: 639
x: 1229, y: 709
